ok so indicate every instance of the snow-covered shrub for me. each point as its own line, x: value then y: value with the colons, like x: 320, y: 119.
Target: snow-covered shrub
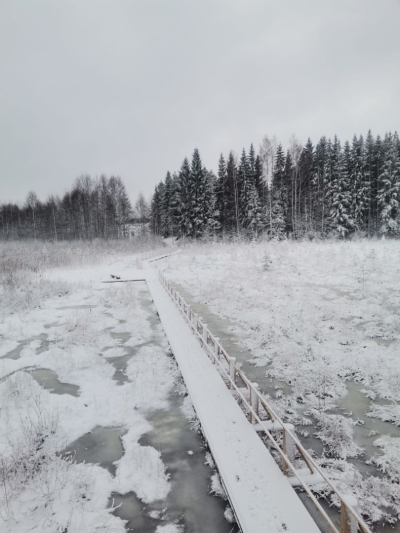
x: 378, y: 499
x: 389, y: 460
x: 267, y: 262
x: 336, y: 432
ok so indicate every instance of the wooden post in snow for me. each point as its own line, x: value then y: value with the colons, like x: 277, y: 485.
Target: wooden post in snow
x: 348, y: 523
x: 205, y: 334
x: 232, y: 361
x: 253, y: 401
x: 289, y: 447
x: 216, y: 349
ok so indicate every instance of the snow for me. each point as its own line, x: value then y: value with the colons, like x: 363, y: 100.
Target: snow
x: 169, y: 528
x: 261, y: 495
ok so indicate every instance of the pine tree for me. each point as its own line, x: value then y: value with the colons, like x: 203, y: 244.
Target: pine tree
x: 388, y: 195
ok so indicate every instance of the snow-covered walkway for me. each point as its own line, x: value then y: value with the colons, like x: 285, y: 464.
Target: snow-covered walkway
x: 261, y: 495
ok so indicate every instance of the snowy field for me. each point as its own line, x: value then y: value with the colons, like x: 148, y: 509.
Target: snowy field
x: 321, y: 322
x: 96, y: 430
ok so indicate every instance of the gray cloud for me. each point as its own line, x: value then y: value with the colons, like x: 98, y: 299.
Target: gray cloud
x: 129, y: 87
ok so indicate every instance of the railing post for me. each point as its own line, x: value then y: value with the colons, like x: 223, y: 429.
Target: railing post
x: 188, y: 313
x: 232, y: 361
x: 195, y: 321
x: 216, y: 349
x: 205, y: 334
x: 254, y: 401
x: 289, y: 447
x: 348, y: 523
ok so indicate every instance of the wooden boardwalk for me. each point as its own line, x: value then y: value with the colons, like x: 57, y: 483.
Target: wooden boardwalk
x: 261, y: 496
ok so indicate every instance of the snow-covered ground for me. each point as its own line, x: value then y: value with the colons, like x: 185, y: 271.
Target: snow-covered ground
x: 321, y: 320
x: 86, y: 376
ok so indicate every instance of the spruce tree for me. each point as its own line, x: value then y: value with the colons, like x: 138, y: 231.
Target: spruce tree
x: 199, y: 197
x: 254, y: 218
x: 232, y: 223
x: 221, y: 195
x: 332, y: 173
x: 388, y: 195
x: 259, y: 182
x: 245, y: 184
x: 278, y: 222
x: 156, y: 210
x: 319, y: 185
x: 306, y: 171
x: 340, y: 221
x: 183, y: 196
x: 359, y: 190
x: 369, y: 178
x: 213, y: 225
x: 288, y: 194
x: 167, y: 201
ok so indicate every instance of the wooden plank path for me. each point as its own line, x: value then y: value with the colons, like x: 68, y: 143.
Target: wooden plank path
x: 261, y: 496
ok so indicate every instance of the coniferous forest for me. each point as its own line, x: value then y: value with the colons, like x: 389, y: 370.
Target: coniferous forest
x: 330, y: 189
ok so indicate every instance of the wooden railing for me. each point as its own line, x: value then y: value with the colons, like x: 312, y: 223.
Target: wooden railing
x: 265, y: 419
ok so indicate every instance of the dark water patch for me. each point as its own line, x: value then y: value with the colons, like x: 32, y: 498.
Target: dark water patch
x: 16, y: 352
x: 83, y: 306
x: 120, y: 364
x: 135, y: 512
x: 102, y: 446
x: 49, y: 380
x: 51, y: 325
x: 183, y: 451
x: 121, y: 337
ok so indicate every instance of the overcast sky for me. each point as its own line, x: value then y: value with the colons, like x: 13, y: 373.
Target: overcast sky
x: 130, y: 87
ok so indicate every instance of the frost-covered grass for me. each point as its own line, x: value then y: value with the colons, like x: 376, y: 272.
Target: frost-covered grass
x: 314, y: 315
x: 22, y: 264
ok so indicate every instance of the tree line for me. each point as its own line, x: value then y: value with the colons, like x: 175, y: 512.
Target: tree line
x: 328, y: 190
x: 93, y: 208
